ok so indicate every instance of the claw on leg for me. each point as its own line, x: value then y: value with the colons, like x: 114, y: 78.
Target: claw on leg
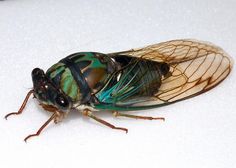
x: 53, y: 117
x: 89, y: 114
x: 22, y: 106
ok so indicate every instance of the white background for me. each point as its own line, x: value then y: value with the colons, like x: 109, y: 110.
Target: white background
x: 199, y: 132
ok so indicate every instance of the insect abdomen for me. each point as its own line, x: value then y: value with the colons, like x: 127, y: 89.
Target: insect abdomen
x: 136, y: 78
x: 148, y: 77
x: 147, y: 72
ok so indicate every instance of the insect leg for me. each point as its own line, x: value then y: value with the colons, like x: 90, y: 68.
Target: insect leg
x: 90, y: 115
x: 22, y: 106
x: 117, y: 114
x: 42, y: 127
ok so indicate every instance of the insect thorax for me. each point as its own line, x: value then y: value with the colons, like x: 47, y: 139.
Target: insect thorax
x: 81, y: 74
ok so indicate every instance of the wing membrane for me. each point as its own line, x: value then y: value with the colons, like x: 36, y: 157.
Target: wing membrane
x: 195, y: 67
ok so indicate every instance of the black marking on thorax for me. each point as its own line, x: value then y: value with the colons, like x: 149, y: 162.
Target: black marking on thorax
x: 79, y: 78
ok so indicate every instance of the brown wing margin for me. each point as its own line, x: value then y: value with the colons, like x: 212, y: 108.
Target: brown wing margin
x: 196, y: 67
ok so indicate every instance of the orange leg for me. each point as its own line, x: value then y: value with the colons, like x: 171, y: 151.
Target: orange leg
x: 117, y: 114
x: 42, y: 127
x: 90, y: 115
x: 22, y: 106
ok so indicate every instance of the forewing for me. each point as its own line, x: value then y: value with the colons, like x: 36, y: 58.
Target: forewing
x: 195, y: 67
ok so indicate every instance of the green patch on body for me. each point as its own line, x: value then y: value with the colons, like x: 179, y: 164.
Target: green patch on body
x: 95, y: 62
x: 56, y: 69
x: 69, y: 85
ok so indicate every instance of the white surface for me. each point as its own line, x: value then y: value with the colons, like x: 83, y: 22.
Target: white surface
x: 199, y: 132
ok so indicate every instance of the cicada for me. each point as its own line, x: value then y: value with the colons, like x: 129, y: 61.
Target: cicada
x: 136, y: 79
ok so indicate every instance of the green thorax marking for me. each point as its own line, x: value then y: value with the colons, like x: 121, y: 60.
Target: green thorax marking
x: 69, y: 85
x: 61, y: 77
x: 94, y: 61
x: 95, y: 68
x: 54, y: 70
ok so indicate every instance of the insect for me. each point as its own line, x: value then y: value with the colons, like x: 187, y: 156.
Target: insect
x: 136, y: 79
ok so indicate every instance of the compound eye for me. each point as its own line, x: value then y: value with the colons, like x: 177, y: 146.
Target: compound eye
x: 62, y: 102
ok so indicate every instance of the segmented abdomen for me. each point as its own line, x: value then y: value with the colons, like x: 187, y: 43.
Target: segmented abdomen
x: 136, y: 78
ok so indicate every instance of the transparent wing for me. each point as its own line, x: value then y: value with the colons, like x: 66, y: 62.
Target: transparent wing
x: 195, y: 67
